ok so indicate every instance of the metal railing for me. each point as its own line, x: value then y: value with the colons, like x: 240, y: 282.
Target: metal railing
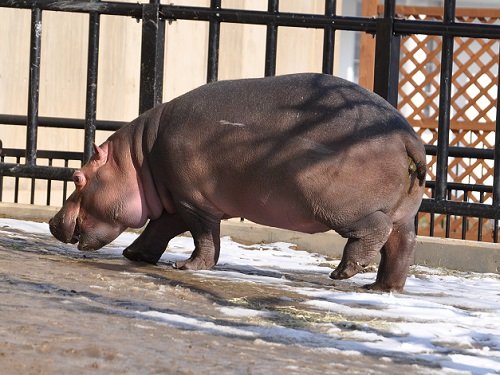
x: 387, y: 29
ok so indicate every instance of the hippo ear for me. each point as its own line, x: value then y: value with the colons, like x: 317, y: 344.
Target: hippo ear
x: 79, y: 179
x: 99, y: 154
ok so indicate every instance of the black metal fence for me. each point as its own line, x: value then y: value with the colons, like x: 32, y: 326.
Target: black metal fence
x: 388, y: 31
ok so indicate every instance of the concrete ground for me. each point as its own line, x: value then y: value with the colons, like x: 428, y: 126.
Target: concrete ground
x: 264, y: 309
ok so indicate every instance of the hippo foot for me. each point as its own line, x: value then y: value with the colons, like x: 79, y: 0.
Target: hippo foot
x: 382, y: 287
x: 140, y: 256
x: 345, y: 270
x: 194, y: 264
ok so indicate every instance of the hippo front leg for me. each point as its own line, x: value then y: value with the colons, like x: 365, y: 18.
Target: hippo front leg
x: 205, y: 229
x: 152, y: 242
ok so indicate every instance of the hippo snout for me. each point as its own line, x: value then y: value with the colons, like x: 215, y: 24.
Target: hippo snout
x: 55, y: 229
x: 63, y: 232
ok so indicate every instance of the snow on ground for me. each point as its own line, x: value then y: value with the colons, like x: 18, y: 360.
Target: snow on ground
x: 450, y: 320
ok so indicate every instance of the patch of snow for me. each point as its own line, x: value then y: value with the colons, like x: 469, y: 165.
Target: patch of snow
x: 194, y: 324
x: 241, y: 312
x: 25, y: 226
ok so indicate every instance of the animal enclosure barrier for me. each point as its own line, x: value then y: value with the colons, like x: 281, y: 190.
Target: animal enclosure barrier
x: 440, y: 67
x: 473, y: 101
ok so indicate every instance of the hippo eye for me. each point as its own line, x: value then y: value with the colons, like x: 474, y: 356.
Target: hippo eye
x: 79, y: 179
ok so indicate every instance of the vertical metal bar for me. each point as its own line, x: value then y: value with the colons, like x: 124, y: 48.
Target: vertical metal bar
x: 444, y: 104
x: 387, y: 49
x: 495, y: 231
x: 464, y: 218
x: 496, y: 165
x: 329, y: 38
x: 16, y: 184
x: 432, y: 218
x: 152, y: 56
x: 65, y: 183
x: 91, y: 100
x: 213, y: 44
x: 32, y: 195
x: 271, y: 41
x: 34, y: 86
x: 448, y: 219
x: 389, y: 8
x: 480, y: 223
x: 49, y: 185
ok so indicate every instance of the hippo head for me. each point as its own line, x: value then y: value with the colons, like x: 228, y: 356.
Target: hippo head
x: 105, y: 203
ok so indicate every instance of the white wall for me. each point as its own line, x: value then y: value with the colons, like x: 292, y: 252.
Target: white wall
x: 64, y: 65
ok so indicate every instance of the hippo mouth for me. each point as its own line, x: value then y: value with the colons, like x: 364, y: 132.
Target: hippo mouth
x: 72, y: 232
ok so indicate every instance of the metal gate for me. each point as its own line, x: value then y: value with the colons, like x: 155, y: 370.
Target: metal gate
x: 387, y: 28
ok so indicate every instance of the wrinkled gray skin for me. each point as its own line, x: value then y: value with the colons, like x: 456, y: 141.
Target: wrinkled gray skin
x: 305, y: 152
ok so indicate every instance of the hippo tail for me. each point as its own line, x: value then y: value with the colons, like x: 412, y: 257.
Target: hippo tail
x: 417, y: 167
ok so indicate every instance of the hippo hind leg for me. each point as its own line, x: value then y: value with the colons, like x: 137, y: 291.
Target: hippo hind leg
x: 365, y: 239
x: 206, y: 252
x: 396, y: 257
x: 205, y: 229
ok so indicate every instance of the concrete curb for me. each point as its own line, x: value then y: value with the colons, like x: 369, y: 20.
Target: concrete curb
x: 431, y: 251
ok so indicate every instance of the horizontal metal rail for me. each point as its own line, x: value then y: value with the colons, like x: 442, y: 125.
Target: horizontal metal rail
x: 39, y: 171
x: 106, y: 125
x: 448, y: 207
x: 318, y: 21
x: 463, y: 152
x: 255, y: 17
x: 101, y: 7
x: 466, y: 188
x: 43, y: 154
x: 59, y: 122
x: 36, y: 171
x: 460, y: 29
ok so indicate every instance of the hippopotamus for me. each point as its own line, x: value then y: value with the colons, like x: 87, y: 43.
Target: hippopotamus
x: 304, y: 152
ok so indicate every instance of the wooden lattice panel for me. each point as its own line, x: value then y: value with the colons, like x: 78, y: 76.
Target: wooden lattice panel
x: 473, y: 108
x: 473, y: 104
x: 474, y: 90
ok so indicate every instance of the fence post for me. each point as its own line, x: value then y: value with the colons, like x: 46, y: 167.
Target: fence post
x: 34, y: 86
x: 152, y: 56
x: 496, y: 165
x: 213, y: 44
x: 387, y: 46
x: 444, y: 105
x: 91, y: 99
x: 271, y: 41
x: 329, y: 38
